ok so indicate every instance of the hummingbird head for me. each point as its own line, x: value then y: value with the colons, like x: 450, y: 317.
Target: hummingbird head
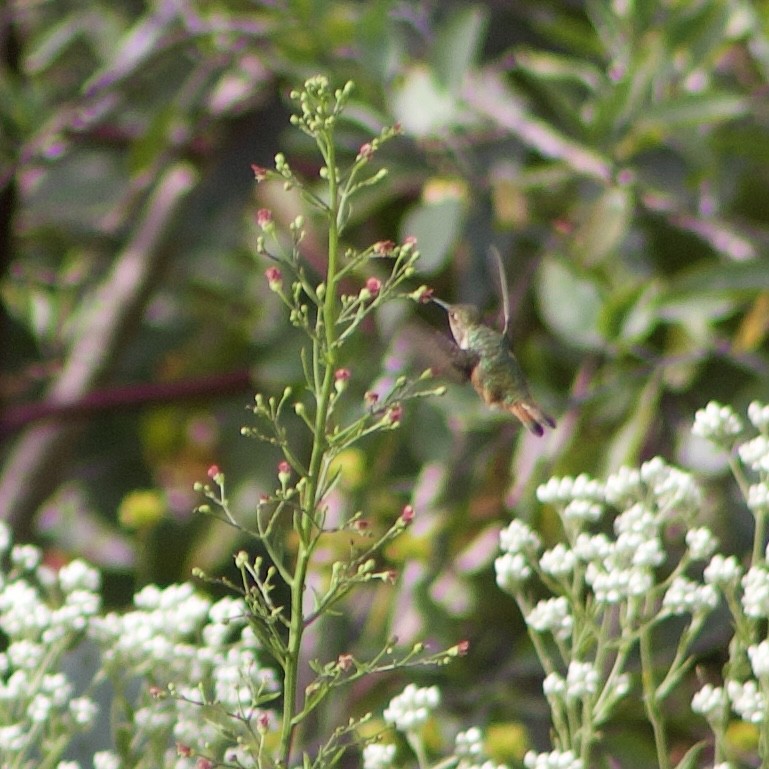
x: 462, y: 318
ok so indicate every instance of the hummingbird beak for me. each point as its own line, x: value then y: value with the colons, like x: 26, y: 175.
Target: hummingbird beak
x: 445, y: 305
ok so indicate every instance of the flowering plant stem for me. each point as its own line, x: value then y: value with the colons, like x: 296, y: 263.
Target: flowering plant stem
x: 329, y: 319
x: 323, y: 359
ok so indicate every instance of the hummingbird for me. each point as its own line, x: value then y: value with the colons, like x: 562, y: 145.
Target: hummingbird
x: 485, y: 357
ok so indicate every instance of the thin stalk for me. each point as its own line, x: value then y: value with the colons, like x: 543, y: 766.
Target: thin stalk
x: 324, y: 360
x: 650, y: 698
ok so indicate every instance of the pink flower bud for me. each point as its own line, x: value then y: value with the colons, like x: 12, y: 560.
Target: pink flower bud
x: 373, y: 285
x: 260, y: 174
x: 394, y: 414
x: 365, y: 152
x: 264, y: 217
x: 407, y: 514
x: 384, y: 247
x: 274, y: 278
x: 341, y: 377
x: 213, y: 471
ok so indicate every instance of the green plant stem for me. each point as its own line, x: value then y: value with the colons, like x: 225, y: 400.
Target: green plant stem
x: 325, y: 359
x: 651, y: 704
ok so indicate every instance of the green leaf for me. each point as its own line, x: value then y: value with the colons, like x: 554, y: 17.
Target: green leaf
x: 457, y: 46
x: 421, y: 104
x: 436, y: 227
x: 553, y: 67
x: 692, y: 110
x: 731, y: 280
x: 606, y: 225
x: 570, y: 304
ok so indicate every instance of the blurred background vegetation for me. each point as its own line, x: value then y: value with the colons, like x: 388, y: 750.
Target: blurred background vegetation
x: 617, y: 153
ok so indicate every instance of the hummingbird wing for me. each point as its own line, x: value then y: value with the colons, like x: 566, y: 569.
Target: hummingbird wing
x: 463, y: 362
x: 503, y: 289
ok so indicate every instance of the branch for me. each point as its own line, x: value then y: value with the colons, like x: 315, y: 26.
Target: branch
x: 33, y: 467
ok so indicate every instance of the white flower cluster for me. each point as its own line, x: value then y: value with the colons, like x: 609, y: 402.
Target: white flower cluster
x: 755, y: 592
x: 42, y: 614
x: 758, y: 414
x: 747, y: 701
x: 716, y: 423
x: 172, y: 637
x: 562, y: 491
x: 412, y: 707
x: 656, y: 484
x: 684, y: 596
x: 711, y: 702
x: 555, y: 759
x: 755, y: 453
x: 161, y: 640
x: 581, y: 681
x: 552, y: 615
x: 378, y: 756
x: 519, y: 544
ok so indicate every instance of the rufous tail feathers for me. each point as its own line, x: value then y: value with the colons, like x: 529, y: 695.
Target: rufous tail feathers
x: 533, y: 418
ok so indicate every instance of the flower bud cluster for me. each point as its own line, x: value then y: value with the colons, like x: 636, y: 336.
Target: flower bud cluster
x: 412, y: 707
x: 718, y: 424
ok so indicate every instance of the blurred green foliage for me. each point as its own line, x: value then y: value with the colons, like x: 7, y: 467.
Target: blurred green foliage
x: 615, y: 153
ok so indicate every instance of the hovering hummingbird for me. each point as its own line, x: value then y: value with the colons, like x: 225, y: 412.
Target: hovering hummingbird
x: 485, y: 357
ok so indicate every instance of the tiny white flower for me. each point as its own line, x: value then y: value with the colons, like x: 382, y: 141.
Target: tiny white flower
x: 755, y: 453
x: 378, y: 756
x: 83, y: 711
x: 718, y: 424
x: 25, y: 654
x: 554, y: 685
x: 558, y: 561
x: 469, y: 744
x: 68, y: 765
x: 555, y: 759
x: 105, y: 759
x: 710, y: 701
x: 582, y: 511
x: 566, y: 489
x: 553, y: 615
x: 6, y: 538
x: 701, y: 543
x: 747, y: 701
x: 78, y: 575
x: 592, y: 547
x: 13, y: 737
x: 755, y: 597
x: 39, y: 709
x: 759, y: 658
x: 511, y: 570
x: 686, y: 596
x: 624, y: 487
x: 722, y: 571
x: 758, y: 498
x: 412, y: 707
x: 621, y: 685
x: 26, y: 557
x: 581, y: 680
x: 518, y: 537
x: 614, y: 585
x: 758, y: 414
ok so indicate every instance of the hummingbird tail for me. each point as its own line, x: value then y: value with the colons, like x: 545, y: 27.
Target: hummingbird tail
x: 533, y: 418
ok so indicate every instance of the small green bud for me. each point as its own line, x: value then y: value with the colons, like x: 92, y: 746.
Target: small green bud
x: 241, y: 559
